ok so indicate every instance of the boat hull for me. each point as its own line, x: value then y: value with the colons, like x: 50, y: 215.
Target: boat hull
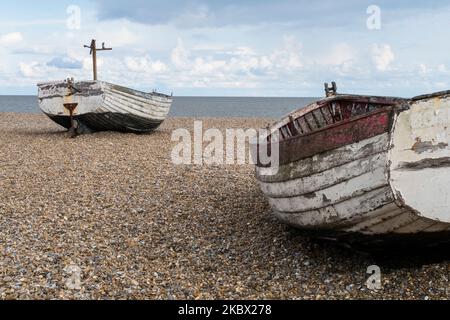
x: 105, y: 121
x: 349, y: 181
x: 102, y: 106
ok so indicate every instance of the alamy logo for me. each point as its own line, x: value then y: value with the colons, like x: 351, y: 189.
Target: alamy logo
x: 73, y: 21
x: 73, y: 282
x: 374, y: 281
x: 235, y: 147
x: 374, y: 20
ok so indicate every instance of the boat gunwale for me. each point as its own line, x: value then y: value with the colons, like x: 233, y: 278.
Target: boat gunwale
x: 393, y: 102
x: 384, y: 100
x: 59, y: 82
x: 431, y: 95
x: 117, y: 86
x: 388, y: 108
x: 388, y: 112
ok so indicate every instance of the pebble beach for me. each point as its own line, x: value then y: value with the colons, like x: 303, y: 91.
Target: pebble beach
x: 139, y: 227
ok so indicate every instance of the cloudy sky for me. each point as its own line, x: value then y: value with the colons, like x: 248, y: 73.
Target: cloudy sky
x: 230, y: 47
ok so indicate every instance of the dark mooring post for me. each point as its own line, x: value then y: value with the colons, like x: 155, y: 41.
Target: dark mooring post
x: 94, y: 50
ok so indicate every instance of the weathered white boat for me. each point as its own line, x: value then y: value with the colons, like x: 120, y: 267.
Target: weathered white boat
x: 101, y: 106
x: 364, y: 169
x: 88, y: 106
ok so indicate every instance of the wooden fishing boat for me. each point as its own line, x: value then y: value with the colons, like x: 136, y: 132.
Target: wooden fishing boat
x: 87, y: 106
x: 363, y: 169
x: 100, y: 106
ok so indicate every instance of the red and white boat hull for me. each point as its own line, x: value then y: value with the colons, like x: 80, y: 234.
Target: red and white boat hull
x: 384, y: 172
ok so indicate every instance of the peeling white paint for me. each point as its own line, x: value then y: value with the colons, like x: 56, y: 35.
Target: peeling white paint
x: 421, y: 136
x: 377, y: 186
x: 102, y: 97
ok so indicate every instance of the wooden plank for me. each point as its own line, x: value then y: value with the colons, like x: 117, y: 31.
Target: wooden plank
x: 332, y: 195
x: 438, y: 227
x: 306, y: 127
x: 150, y: 104
x: 395, y: 223
x: 338, y: 215
x: 334, y: 137
x: 418, y: 226
x: 326, y: 161
x: 325, y: 179
x: 363, y: 223
x: 116, y: 106
x: 312, y: 122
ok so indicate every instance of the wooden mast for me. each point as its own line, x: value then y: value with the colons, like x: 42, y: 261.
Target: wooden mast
x: 94, y: 50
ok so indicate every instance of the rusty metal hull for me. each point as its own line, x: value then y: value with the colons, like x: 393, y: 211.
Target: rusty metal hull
x: 381, y: 168
x: 101, y: 106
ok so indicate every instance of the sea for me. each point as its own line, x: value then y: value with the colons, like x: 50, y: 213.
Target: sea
x: 261, y: 107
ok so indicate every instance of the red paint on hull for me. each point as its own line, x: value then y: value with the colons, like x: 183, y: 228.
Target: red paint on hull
x: 335, y: 136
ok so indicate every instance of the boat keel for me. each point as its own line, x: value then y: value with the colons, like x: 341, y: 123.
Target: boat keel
x: 96, y: 122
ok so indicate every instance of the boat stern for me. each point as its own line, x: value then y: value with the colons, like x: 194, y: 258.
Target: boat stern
x: 55, y: 97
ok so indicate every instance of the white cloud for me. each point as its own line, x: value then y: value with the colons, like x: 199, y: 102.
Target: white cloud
x: 145, y: 64
x: 239, y: 51
x: 122, y: 37
x: 33, y: 69
x: 382, y: 56
x: 288, y: 57
x: 442, y: 68
x: 423, y: 69
x: 207, y: 66
x: 340, y: 54
x: 240, y: 66
x: 180, y: 55
x: 88, y: 66
x: 11, y: 38
x: 27, y: 69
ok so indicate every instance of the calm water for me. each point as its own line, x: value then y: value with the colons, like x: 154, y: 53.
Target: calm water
x: 192, y: 106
